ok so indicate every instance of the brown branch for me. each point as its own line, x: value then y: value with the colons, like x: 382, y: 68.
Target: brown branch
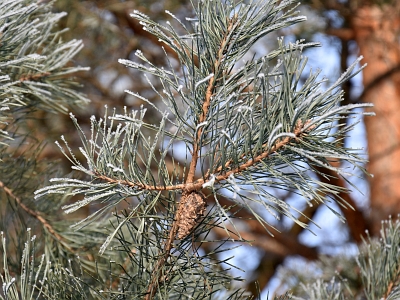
x: 267, y: 267
x: 157, y: 274
x: 33, y: 213
x: 34, y: 76
x: 392, y: 284
x: 298, y: 132
x: 197, y: 185
x: 379, y: 79
x: 290, y: 244
x: 196, y: 143
x: 122, y: 12
x: 276, y: 248
x: 262, y: 241
x: 206, y: 104
x: 345, y: 34
x: 251, y: 162
x: 209, y: 92
x: 306, y: 215
x: 286, y: 239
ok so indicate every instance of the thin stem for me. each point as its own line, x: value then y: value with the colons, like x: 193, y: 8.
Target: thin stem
x: 156, y: 274
x: 207, y: 100
x: 392, y: 284
x: 139, y: 185
x: 34, y: 76
x: 297, y: 132
x: 197, y: 185
x: 33, y: 213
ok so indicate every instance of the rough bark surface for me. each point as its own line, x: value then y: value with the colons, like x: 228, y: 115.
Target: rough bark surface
x: 190, y: 210
x: 377, y: 33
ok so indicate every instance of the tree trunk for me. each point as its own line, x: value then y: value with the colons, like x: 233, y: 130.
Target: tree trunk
x: 377, y: 32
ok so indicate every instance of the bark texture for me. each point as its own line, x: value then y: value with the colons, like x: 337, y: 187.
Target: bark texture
x: 376, y: 30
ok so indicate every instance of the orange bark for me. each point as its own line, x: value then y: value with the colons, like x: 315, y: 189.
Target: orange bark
x: 377, y: 33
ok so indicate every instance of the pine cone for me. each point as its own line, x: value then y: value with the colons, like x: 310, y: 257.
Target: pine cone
x: 191, y: 209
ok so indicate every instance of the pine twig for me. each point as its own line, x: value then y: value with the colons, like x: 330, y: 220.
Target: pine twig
x: 192, y: 169
x: 392, y: 284
x: 34, y: 76
x: 34, y: 214
x: 206, y: 104
x: 156, y: 274
x: 197, y: 185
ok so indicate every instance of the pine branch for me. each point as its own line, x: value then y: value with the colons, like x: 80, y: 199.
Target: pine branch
x: 32, y: 213
x: 199, y: 183
x: 371, y: 274
x: 208, y: 94
x: 393, y: 284
x: 33, y: 62
x: 121, y: 11
x: 157, y: 275
x: 246, y: 127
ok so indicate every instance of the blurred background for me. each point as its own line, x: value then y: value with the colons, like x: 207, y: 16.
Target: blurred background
x: 346, y: 29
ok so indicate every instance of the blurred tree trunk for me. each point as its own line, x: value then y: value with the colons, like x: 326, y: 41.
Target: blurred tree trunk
x: 375, y: 27
x: 376, y: 30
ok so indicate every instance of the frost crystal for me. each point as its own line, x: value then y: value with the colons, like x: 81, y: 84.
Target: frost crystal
x: 209, y: 183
